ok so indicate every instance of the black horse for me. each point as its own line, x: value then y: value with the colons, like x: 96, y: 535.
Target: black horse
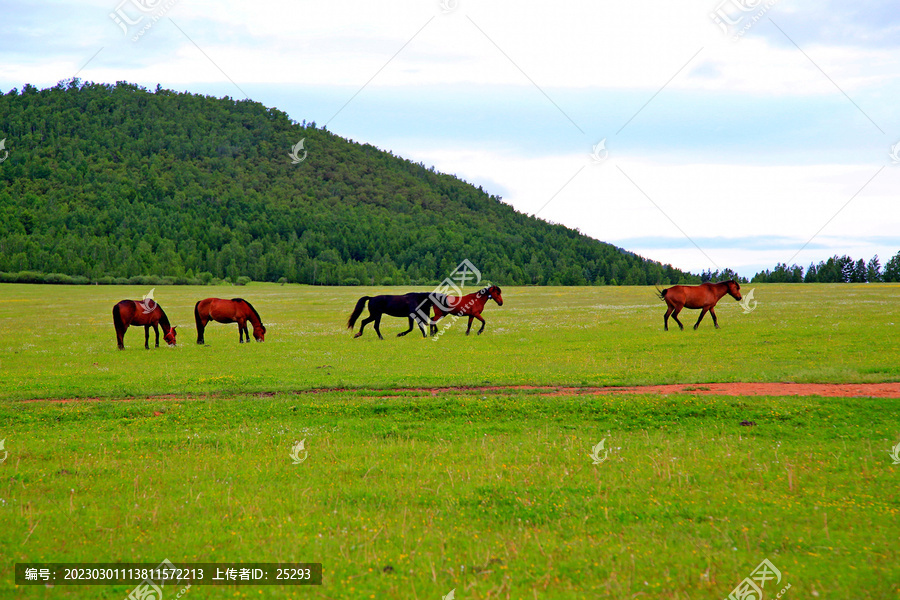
x: 415, y: 306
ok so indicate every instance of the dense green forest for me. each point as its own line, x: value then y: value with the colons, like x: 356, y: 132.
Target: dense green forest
x: 117, y: 183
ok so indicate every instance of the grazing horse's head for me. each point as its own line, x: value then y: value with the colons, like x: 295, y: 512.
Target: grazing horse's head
x: 494, y: 292
x: 734, y: 289
x: 170, y: 336
x: 259, y: 332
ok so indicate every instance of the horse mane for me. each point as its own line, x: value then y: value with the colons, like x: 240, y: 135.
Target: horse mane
x: 258, y: 318
x: 163, y: 319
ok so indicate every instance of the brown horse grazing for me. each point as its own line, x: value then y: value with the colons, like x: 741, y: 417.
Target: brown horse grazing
x: 470, y: 305
x: 703, y: 296
x: 147, y: 313
x: 236, y: 310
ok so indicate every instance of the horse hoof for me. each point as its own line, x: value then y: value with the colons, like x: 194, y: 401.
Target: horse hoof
x: 357, y: 335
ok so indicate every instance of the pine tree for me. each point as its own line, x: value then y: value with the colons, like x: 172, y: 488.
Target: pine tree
x: 811, y: 274
x: 873, y: 269
x: 859, y: 272
x: 892, y: 269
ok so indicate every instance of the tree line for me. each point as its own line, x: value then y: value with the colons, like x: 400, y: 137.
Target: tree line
x: 837, y: 269
x: 114, y: 183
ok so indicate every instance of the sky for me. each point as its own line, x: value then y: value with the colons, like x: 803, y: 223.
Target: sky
x: 706, y: 134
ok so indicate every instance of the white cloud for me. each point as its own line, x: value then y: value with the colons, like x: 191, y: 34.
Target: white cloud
x: 584, y: 44
x: 465, y: 91
x: 698, y: 202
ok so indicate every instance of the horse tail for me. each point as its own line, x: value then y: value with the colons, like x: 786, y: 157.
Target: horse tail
x: 197, y: 315
x: 357, y: 311
x: 117, y: 318
x: 661, y: 293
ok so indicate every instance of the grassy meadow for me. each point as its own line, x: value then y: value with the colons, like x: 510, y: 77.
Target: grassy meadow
x: 184, y: 453
x: 59, y: 341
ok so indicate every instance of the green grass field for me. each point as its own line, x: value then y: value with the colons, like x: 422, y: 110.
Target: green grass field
x: 59, y: 341
x: 413, y: 493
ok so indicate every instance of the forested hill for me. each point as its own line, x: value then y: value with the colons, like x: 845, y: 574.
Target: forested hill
x: 108, y: 182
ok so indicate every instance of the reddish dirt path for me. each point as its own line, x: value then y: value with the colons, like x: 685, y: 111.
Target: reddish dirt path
x: 833, y: 390
x: 843, y: 390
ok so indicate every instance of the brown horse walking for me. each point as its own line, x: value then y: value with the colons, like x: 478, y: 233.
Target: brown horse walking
x: 147, y: 313
x: 703, y: 296
x: 236, y: 310
x: 470, y: 305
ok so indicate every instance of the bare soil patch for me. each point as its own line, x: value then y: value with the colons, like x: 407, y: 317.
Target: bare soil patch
x: 844, y: 390
x: 832, y: 390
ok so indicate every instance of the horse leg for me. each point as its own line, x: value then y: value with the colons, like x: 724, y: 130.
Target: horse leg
x: 675, y: 316
x: 120, y: 337
x: 201, y: 325
x: 362, y: 325
x: 712, y: 311
x: 702, y: 312
x: 401, y: 334
x: 469, y: 328
x: 433, y: 328
x: 377, y: 326
x: 666, y: 318
x: 482, y: 323
x: 242, y: 329
x: 147, y: 337
x: 421, y: 327
x: 156, y: 331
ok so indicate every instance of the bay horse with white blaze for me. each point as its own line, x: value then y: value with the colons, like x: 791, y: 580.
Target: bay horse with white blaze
x: 236, y: 310
x: 147, y: 313
x: 703, y: 296
x: 470, y: 305
x: 415, y: 306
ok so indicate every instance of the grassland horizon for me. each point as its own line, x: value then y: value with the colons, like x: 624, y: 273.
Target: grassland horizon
x: 59, y: 341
